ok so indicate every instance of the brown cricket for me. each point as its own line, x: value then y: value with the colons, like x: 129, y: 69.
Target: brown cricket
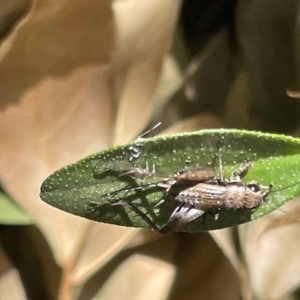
x: 200, y: 191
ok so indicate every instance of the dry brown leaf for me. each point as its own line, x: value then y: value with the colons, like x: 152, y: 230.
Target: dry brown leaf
x: 223, y: 238
x: 271, y: 249
x: 5, y: 264
x: 236, y: 113
x: 293, y: 94
x: 11, y: 13
x: 54, y: 41
x: 10, y: 283
x: 203, y: 271
x: 57, y: 67
x: 11, y: 286
x: 58, y: 120
x: 145, y: 31
x: 58, y: 71
x: 102, y: 242
x: 206, y: 82
x: 139, y: 277
x: 170, y: 81
x: 227, y: 242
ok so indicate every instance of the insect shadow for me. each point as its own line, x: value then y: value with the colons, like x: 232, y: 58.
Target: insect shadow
x: 110, y: 208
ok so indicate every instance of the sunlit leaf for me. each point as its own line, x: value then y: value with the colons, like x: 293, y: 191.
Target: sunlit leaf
x: 11, y: 213
x: 276, y: 160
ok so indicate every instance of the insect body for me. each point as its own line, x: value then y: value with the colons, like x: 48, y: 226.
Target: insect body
x: 201, y: 188
x: 211, y: 195
x: 199, y: 191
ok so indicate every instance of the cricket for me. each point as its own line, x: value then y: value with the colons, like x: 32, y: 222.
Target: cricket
x: 199, y: 191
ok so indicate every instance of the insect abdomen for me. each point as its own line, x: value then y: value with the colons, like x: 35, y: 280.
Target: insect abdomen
x: 208, y: 197
x: 204, y: 196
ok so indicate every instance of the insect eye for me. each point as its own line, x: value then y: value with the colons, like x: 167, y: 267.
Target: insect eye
x: 254, y: 187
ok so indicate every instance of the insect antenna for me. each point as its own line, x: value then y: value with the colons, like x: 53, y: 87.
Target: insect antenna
x: 148, y: 131
x: 136, y: 171
x: 288, y: 213
x: 286, y: 187
x: 281, y: 189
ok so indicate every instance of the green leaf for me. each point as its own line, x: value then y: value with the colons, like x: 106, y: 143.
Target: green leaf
x: 11, y: 213
x: 276, y: 160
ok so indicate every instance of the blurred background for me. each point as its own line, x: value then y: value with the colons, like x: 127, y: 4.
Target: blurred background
x: 77, y: 77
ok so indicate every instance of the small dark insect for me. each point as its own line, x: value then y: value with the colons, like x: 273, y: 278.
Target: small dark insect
x: 200, y: 191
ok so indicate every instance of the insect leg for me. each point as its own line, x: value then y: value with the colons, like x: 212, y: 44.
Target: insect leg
x: 219, y: 155
x: 139, y: 213
x: 148, y: 131
x: 135, y: 171
x: 181, y: 216
x: 240, y: 170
